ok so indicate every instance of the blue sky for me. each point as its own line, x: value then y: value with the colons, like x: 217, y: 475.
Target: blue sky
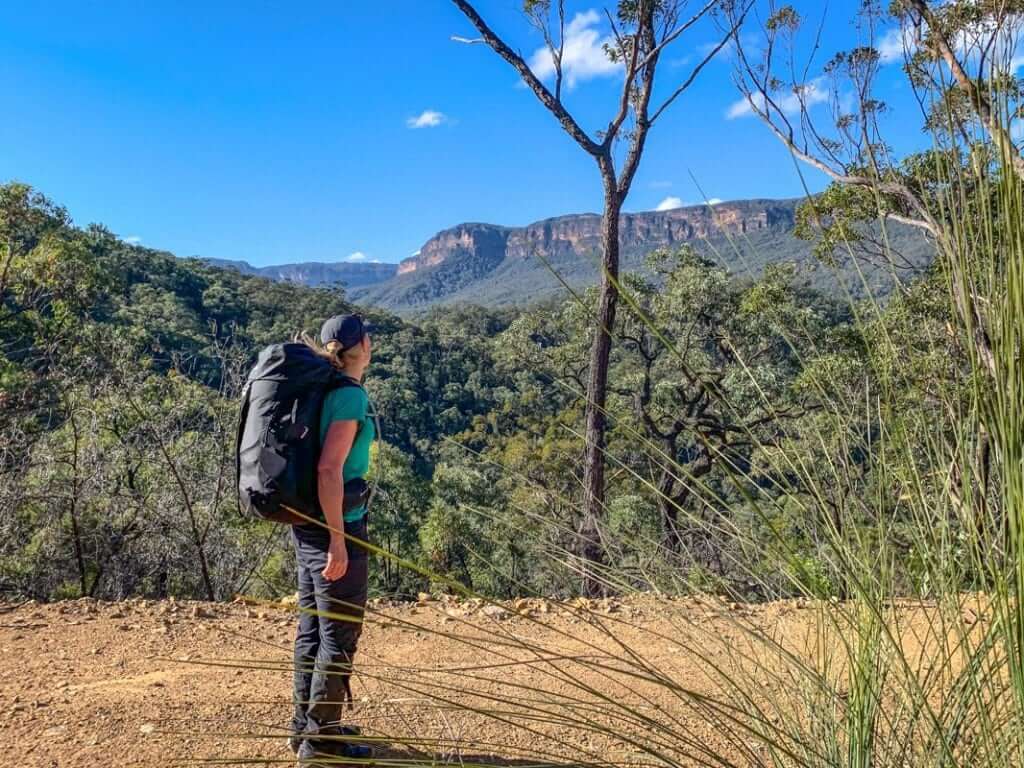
x: 276, y: 132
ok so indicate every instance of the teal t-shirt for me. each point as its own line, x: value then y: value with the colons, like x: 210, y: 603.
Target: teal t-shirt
x: 350, y: 404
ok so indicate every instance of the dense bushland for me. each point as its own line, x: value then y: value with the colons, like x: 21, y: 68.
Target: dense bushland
x: 121, y: 366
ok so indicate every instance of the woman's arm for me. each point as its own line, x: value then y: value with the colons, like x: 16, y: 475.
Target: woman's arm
x: 331, y: 491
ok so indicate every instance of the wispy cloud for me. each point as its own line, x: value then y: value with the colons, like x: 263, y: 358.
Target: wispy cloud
x: 584, y: 56
x: 132, y: 239
x: 670, y: 203
x: 814, y: 92
x: 428, y: 118
x: 895, y: 43
x: 660, y: 184
x: 356, y: 257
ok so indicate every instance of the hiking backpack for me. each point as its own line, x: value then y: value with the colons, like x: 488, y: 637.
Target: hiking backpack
x: 278, y: 443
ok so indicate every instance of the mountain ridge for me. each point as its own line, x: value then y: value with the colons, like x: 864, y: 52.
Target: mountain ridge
x: 350, y: 274
x: 479, y: 262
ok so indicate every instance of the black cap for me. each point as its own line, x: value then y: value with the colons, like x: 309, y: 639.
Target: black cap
x: 347, y: 329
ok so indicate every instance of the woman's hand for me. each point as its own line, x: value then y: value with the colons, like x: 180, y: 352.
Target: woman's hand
x: 337, y: 558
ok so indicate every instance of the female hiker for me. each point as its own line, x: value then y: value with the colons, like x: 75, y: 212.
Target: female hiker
x: 332, y: 571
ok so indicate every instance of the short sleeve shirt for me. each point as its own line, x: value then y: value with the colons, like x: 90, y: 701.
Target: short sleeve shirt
x: 350, y: 404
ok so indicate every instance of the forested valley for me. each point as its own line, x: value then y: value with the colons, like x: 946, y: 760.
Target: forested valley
x: 121, y: 368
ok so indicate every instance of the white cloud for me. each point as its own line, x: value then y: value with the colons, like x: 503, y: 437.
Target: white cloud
x: 583, y: 57
x: 428, y: 118
x: 740, y: 108
x: 660, y: 184
x: 895, y: 43
x: 132, y: 239
x: 814, y: 92
x: 670, y: 203
x: 357, y: 256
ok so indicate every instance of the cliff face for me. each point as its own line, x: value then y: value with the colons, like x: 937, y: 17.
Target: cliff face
x: 579, y: 235
x: 484, y: 242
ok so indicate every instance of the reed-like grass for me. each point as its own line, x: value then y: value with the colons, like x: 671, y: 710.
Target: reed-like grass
x: 888, y: 665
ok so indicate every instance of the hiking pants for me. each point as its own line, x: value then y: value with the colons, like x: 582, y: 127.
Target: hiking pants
x: 325, y: 646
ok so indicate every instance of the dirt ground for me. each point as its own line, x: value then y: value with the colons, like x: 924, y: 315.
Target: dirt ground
x: 144, y: 683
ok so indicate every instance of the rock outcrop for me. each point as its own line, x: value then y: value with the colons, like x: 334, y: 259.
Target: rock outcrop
x: 580, y: 234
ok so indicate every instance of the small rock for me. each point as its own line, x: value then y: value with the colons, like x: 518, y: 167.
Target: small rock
x: 147, y: 728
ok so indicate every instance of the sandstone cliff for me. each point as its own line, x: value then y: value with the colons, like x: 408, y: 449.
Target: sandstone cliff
x: 581, y: 234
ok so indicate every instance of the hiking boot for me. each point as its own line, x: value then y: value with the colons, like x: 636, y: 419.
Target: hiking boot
x: 296, y: 739
x: 331, y: 752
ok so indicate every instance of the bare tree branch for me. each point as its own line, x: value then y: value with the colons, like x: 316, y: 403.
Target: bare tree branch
x: 978, y: 99
x: 697, y: 70
x: 548, y: 99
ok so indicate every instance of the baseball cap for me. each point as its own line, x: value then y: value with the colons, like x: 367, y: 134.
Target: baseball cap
x: 346, y: 329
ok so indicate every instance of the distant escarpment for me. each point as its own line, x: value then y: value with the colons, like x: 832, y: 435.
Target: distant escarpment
x: 348, y: 274
x: 486, y: 263
x: 500, y: 265
x: 580, y: 234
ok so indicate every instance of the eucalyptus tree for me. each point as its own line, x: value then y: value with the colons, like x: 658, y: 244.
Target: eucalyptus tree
x: 715, y: 382
x: 959, y: 59
x: 641, y: 32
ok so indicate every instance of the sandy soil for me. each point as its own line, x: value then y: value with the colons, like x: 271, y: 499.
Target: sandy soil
x: 85, y: 683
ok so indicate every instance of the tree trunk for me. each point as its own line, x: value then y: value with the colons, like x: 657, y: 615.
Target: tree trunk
x: 597, y: 386
x: 671, y: 536
x: 76, y: 533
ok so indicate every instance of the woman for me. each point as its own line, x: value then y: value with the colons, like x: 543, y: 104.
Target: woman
x: 333, y: 571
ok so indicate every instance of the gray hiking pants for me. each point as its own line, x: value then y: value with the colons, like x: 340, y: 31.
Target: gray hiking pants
x: 325, y: 646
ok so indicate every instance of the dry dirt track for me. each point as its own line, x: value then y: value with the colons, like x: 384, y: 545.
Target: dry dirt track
x: 142, y: 683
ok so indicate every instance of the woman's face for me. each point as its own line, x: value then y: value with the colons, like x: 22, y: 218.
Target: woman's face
x: 366, y: 346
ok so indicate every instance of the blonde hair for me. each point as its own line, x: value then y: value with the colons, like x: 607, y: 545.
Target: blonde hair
x: 332, y: 350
